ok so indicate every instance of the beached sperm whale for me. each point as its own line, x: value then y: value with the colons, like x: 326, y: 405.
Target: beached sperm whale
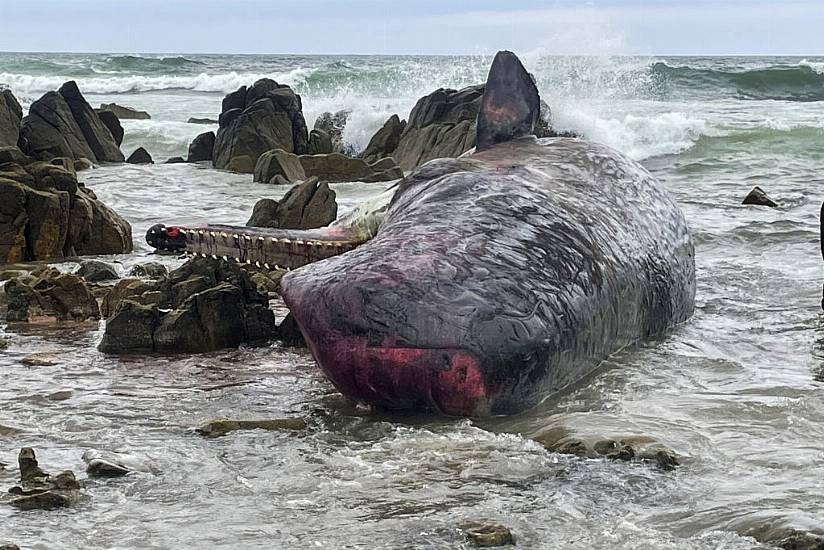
x: 494, y: 279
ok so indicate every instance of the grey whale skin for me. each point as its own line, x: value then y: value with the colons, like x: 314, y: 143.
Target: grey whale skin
x: 499, y: 278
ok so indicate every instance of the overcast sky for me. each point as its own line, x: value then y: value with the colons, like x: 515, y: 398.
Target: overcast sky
x: 688, y: 27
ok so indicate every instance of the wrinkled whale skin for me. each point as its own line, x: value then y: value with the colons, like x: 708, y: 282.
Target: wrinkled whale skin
x: 499, y: 278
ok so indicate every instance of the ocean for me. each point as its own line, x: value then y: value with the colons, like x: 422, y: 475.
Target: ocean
x: 737, y: 391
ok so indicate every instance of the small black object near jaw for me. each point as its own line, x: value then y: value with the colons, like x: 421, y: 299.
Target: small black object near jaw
x: 161, y: 237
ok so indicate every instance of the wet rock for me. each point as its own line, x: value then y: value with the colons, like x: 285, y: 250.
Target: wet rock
x: 40, y: 491
x: 149, y: 270
x: 645, y: 449
x: 49, y: 130
x: 243, y: 164
x: 308, y: 205
x: 201, y: 147
x: 289, y: 332
x: 50, y: 296
x: 82, y: 164
x: 201, y: 121
x: 333, y: 124
x: 11, y: 114
x: 175, y: 160
x: 125, y: 113
x: 263, y: 117
x: 278, y: 163
x: 336, y: 167
x: 109, y: 464
x: 202, y: 306
x: 45, y: 214
x: 268, y: 283
x: 9, y: 546
x: 786, y: 538
x: 759, y: 197
x: 385, y: 141
x: 110, y: 120
x: 97, y: 135
x: 12, y: 154
x: 95, y: 271
x: 219, y: 427
x: 319, y: 143
x: 42, y: 359
x: 126, y: 289
x: 441, y: 125
x: 487, y: 534
x: 61, y: 395
x: 140, y: 156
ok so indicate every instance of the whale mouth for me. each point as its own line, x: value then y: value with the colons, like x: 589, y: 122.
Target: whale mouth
x: 447, y: 380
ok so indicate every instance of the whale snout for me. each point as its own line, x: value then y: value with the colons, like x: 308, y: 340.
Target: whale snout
x: 380, y: 367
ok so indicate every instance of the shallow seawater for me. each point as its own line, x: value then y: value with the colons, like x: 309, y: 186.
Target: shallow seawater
x: 737, y: 391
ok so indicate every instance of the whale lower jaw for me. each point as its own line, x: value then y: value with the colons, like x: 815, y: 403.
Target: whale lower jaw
x: 447, y: 380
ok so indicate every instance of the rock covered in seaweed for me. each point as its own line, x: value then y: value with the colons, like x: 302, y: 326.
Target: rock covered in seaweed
x: 39, y: 490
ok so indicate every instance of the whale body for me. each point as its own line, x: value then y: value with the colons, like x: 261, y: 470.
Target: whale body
x: 499, y: 278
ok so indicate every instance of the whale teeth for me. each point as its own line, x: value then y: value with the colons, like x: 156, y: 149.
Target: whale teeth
x: 257, y: 264
x: 225, y: 259
x: 261, y: 239
x: 247, y: 237
x: 266, y: 265
x: 201, y: 232
x: 224, y: 235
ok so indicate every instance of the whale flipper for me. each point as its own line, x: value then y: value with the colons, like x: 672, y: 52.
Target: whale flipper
x: 510, y: 106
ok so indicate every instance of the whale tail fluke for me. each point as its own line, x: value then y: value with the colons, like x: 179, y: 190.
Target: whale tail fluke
x: 510, y: 106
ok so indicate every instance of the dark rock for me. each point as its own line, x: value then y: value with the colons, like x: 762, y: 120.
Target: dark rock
x: 96, y: 134
x: 95, y: 229
x: 441, y: 125
x: 95, y: 271
x: 140, y: 156
x: 487, y: 534
x: 125, y: 113
x: 319, y: 143
x: 52, y: 296
x: 175, y: 160
x: 289, y: 332
x: 9, y: 546
x: 49, y: 130
x: 201, y: 121
x: 263, y: 117
x: 335, y: 167
x: 136, y: 290
x: 150, y: 270
x: 201, y: 147
x: 108, y: 464
x: 202, y: 306
x: 333, y: 125
x: 39, y: 490
x: 222, y: 426
x: 113, y: 124
x: 30, y: 470
x: 781, y: 536
x: 278, y: 162
x: 10, y: 153
x: 385, y: 141
x: 308, y: 205
x: 759, y: 197
x: 82, y: 164
x: 10, y: 116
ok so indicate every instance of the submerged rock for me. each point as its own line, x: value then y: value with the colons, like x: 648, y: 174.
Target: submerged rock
x: 308, y: 205
x: 110, y: 464
x: 124, y: 113
x: 194, y: 120
x: 204, y: 305
x: 50, y: 296
x: 642, y: 448
x: 223, y: 426
x: 39, y: 490
x: 759, y: 197
x: 289, y: 332
x: 95, y: 271
x: 140, y: 156
x: 487, y: 534
x: 175, y: 160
